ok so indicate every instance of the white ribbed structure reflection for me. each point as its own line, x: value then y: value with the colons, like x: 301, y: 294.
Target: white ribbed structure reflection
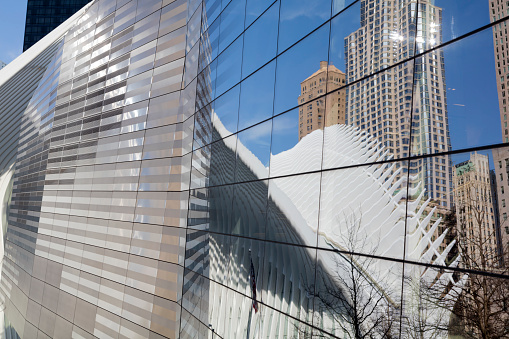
x: 364, y: 210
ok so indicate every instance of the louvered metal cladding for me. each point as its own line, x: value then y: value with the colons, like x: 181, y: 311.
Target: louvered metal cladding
x: 15, y: 94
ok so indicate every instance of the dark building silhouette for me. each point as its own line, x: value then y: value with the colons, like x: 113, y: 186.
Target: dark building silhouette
x: 45, y: 15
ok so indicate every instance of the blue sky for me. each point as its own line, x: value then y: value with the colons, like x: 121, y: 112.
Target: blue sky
x: 12, y: 29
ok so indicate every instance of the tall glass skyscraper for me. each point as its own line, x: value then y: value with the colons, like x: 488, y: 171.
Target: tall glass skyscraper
x: 43, y: 16
x: 256, y: 169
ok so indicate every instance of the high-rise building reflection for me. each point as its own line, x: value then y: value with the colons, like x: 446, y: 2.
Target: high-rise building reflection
x: 383, y: 104
x: 324, y: 111
x: 474, y: 211
x: 501, y: 155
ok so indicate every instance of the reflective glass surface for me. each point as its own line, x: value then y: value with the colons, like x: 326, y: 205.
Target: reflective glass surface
x: 276, y: 169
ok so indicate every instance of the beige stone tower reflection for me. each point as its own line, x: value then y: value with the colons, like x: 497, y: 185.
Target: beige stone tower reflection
x: 474, y: 211
x: 497, y: 10
x: 317, y: 113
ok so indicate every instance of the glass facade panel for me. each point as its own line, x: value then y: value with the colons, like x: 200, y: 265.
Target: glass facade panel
x: 254, y: 9
x: 229, y: 66
x: 299, y: 18
x: 297, y: 64
x: 226, y: 112
x: 260, y: 40
x: 452, y: 106
x: 232, y: 22
x: 459, y: 308
x: 256, y: 101
x: 357, y: 294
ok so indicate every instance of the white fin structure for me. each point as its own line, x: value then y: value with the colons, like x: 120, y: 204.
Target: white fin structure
x: 363, y: 209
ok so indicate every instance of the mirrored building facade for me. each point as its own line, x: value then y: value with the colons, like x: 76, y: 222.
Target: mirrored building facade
x: 258, y: 169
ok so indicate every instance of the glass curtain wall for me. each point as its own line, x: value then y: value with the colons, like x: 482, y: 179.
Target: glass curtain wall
x: 348, y: 171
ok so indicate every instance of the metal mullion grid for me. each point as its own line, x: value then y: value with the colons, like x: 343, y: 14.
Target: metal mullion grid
x: 261, y: 263
x: 321, y: 164
x: 98, y: 307
x: 277, y: 52
x: 377, y: 257
x: 200, y: 8
x: 261, y: 302
x: 408, y: 171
